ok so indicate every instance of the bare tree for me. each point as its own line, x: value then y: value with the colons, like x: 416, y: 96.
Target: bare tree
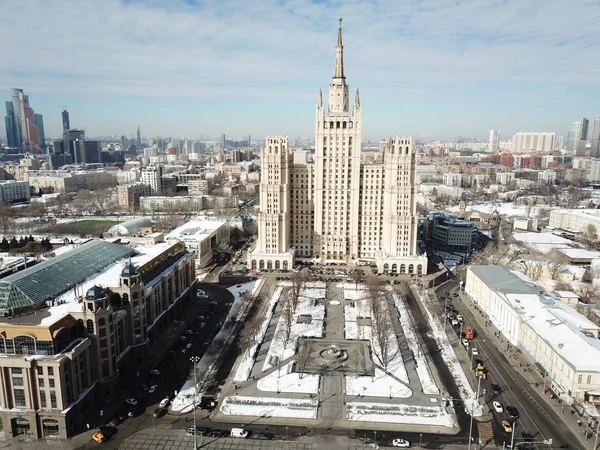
x: 556, y: 262
x: 250, y: 332
x: 287, y: 312
x: 7, y: 219
x: 587, y: 292
x: 381, y: 324
x: 357, y: 276
x: 298, y: 279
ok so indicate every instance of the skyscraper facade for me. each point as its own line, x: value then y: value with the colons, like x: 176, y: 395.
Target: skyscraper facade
x: 595, y: 139
x: 577, y: 136
x: 39, y: 123
x: 494, y: 145
x: 23, y: 128
x: 338, y: 209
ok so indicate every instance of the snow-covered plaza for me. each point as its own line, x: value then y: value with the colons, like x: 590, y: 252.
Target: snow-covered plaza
x: 337, y: 352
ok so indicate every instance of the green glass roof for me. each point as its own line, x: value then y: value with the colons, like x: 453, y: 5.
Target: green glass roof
x: 31, y: 287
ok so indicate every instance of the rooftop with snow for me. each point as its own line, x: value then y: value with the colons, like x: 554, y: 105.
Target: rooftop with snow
x: 195, y: 230
x: 569, y: 333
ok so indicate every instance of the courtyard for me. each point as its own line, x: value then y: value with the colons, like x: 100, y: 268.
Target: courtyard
x: 346, y: 353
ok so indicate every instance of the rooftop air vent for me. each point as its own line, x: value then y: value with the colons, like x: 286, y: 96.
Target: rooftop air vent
x: 561, y: 345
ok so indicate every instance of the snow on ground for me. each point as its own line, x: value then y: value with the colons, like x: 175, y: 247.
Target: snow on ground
x: 382, y: 384
x: 284, y: 380
x: 504, y: 209
x: 183, y: 402
x: 240, y: 289
x: 449, y: 356
x: 409, y: 414
x: 542, y: 242
x: 423, y: 369
x: 202, y: 276
x: 245, y: 367
x: 272, y: 407
x: 282, y: 349
x: 308, y: 284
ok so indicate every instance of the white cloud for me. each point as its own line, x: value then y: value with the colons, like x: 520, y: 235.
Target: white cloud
x: 238, y: 48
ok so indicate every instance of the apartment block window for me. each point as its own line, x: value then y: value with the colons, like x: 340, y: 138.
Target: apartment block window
x: 51, y: 382
x: 40, y: 370
x: 53, y: 399
x: 589, y: 379
x: 41, y: 382
x: 51, y: 371
x: 16, y: 370
x: 43, y: 399
x: 20, y: 397
x: 17, y: 381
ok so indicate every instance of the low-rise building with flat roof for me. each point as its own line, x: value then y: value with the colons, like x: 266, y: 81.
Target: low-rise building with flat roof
x: 560, y: 342
x: 201, y: 237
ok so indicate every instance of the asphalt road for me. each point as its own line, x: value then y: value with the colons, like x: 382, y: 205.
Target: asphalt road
x: 536, y: 418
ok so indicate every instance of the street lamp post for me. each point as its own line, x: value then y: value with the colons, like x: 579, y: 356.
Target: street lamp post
x: 512, y: 436
x: 471, y: 422
x: 420, y: 440
x: 286, y: 433
x: 195, y: 360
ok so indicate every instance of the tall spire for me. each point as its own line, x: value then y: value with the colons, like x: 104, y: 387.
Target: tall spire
x: 339, y: 55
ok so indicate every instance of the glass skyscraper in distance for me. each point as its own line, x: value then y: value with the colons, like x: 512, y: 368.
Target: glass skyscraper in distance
x: 24, y: 128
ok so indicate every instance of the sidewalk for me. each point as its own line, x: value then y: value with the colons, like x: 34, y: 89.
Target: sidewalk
x: 532, y: 376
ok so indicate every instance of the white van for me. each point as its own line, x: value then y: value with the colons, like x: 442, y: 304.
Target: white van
x: 239, y: 433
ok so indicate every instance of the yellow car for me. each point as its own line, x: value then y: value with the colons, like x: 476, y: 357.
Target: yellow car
x: 99, y: 437
x: 507, y: 426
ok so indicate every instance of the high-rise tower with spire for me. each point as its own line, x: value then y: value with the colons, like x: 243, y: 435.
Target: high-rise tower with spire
x: 338, y: 208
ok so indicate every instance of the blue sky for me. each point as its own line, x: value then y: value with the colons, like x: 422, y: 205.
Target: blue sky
x: 424, y: 67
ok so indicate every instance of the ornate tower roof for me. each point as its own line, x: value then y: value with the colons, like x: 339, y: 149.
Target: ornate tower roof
x: 339, y: 55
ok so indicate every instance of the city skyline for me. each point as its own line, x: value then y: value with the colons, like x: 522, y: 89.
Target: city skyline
x: 429, y: 68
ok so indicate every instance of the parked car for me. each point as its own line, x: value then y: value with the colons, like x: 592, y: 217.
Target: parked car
x: 497, y: 406
x: 197, y: 430
x: 153, y: 389
x: 116, y: 421
x: 262, y: 436
x: 164, y: 402
x: 159, y: 412
x: 465, y: 342
x: 512, y: 412
x: 239, y: 433
x: 143, y: 387
x: 99, y: 437
x: 403, y: 443
x: 155, y: 372
x: 132, y: 401
x: 475, y: 352
x: 459, y: 318
x: 507, y: 426
x: 217, y: 433
x: 202, y: 294
x: 497, y: 389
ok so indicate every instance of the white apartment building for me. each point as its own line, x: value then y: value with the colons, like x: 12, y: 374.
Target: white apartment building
x: 201, y: 237
x: 593, y: 170
x: 494, y: 144
x: 171, y: 204
x: 338, y: 209
x: 505, y: 178
x: 12, y: 191
x: 561, y: 343
x: 577, y: 220
x: 152, y: 176
x: 546, y: 177
x: 453, y: 179
x: 533, y: 141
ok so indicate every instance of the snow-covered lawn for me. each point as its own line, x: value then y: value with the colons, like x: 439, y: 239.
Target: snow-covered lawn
x: 307, y: 284
x: 382, y: 384
x: 282, y: 349
x: 243, y: 371
x: 409, y: 414
x: 543, y: 242
x: 284, y: 380
x: 423, y: 369
x: 236, y: 405
x: 240, y: 289
x: 449, y: 356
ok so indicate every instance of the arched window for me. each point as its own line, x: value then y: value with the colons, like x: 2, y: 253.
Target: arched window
x: 90, y: 326
x: 24, y: 345
x: 254, y: 264
x: 261, y: 264
x: 394, y: 268
x: 102, y: 322
x: 125, y: 299
x: 386, y: 267
x: 419, y: 269
x: 135, y: 296
x: 269, y: 264
x: 402, y: 268
x: 411, y: 268
x: 2, y: 345
x: 50, y: 428
x: 277, y: 265
x: 285, y: 265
